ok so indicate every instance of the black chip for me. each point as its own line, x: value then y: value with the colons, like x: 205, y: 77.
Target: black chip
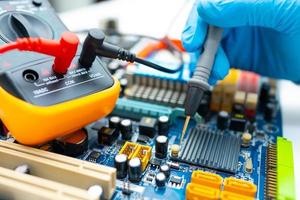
x: 155, y: 162
x: 176, y: 179
x: 126, y: 191
x: 143, y: 139
x: 151, y: 174
x: 174, y: 166
x: 149, y: 179
x: 147, y: 126
x: 238, y: 123
x: 107, y: 135
x: 94, y: 155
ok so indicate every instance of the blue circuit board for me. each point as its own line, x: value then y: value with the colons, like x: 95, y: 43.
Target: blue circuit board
x: 266, y: 132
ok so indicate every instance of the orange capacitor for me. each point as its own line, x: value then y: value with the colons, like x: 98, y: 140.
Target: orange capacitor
x: 239, y: 186
x: 207, y: 179
x: 250, y: 105
x: 227, y: 97
x: 216, y: 98
x: 200, y: 192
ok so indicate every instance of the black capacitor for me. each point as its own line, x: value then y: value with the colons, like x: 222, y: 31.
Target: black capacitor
x: 37, y: 3
x: 126, y: 129
x: 114, y: 122
x: 165, y: 169
x: 111, y: 26
x: 160, y: 179
x: 269, y: 111
x: 121, y: 165
x: 123, y: 84
x: 264, y: 93
x: 163, y: 125
x: 113, y: 66
x: 119, y: 74
x: 135, y: 170
x: 161, y: 146
x: 73, y: 144
x: 222, y: 120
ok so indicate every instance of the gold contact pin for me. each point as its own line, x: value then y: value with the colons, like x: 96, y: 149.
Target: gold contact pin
x: 186, y: 123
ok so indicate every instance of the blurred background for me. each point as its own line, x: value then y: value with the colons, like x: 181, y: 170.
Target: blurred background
x: 66, y: 5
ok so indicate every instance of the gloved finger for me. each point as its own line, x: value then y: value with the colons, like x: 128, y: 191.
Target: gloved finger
x: 194, y: 32
x: 277, y: 14
x: 220, y: 68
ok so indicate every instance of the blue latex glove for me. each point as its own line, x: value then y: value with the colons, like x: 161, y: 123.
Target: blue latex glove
x: 262, y: 36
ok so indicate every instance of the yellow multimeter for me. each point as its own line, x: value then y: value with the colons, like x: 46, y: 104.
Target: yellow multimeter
x: 38, y: 105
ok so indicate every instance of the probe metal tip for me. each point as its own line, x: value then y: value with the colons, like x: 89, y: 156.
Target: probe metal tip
x: 186, y: 123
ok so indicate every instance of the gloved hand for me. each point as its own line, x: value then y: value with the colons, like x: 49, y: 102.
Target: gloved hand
x: 262, y: 36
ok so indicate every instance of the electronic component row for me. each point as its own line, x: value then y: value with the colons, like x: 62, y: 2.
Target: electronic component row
x: 156, y: 90
x: 231, y: 95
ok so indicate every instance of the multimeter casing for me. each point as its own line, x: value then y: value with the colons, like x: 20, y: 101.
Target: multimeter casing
x: 38, y: 105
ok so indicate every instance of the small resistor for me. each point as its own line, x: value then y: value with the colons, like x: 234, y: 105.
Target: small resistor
x: 248, y: 165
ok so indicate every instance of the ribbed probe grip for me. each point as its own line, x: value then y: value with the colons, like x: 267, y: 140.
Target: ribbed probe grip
x: 198, y: 84
x: 207, y: 58
x: 126, y: 55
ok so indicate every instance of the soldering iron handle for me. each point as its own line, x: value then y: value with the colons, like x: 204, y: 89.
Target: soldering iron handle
x: 210, y: 48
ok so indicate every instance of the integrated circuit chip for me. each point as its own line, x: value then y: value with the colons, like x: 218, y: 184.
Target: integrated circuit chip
x: 147, y: 126
x: 211, y: 149
x: 93, y: 156
x: 176, y: 180
x: 143, y: 139
x: 155, y: 162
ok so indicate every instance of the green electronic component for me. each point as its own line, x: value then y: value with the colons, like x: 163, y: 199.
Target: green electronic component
x: 137, y: 109
x: 285, y: 170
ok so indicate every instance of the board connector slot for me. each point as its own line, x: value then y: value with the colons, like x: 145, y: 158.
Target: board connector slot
x: 15, y: 185
x: 58, y: 168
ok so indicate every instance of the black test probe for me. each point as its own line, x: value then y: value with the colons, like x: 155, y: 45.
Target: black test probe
x: 199, y: 81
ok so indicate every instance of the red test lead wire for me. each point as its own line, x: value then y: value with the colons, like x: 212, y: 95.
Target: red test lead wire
x: 63, y: 50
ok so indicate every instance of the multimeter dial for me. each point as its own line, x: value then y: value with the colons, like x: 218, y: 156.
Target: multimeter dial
x: 19, y: 24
